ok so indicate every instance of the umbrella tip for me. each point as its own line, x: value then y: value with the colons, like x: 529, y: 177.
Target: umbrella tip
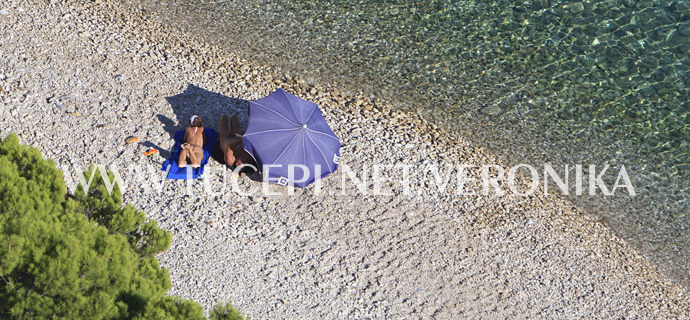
x: 304, y: 126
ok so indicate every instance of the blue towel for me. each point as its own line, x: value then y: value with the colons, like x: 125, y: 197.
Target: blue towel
x: 178, y: 173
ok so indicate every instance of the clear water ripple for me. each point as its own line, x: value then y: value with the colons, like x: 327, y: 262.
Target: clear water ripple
x: 595, y: 81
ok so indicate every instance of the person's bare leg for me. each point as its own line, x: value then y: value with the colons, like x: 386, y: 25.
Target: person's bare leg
x: 195, y: 158
x: 235, y: 125
x: 224, y: 138
x: 182, y: 160
x: 223, y: 126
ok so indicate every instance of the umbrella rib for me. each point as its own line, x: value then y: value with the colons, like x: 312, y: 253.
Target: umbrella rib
x: 304, y: 151
x: 290, y: 103
x: 286, y: 148
x: 317, y: 148
x: 272, y: 130
x: 311, y: 114
x: 323, y: 133
x: 301, y: 103
x: 269, y: 109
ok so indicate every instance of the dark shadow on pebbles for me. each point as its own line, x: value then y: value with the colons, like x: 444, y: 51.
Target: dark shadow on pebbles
x: 169, y: 125
x: 216, y: 154
x: 205, y: 104
x: 210, y: 106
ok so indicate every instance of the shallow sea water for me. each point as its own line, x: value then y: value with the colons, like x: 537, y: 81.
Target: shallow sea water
x: 565, y: 82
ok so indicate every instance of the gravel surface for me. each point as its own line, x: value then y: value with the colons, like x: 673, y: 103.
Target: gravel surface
x: 77, y: 79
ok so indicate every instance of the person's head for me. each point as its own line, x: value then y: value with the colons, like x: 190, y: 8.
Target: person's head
x: 243, y: 158
x: 195, y: 121
x: 236, y: 159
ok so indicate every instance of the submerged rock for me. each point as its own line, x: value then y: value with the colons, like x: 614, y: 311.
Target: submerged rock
x: 577, y: 7
x: 541, y: 4
x: 684, y: 30
x: 492, y: 110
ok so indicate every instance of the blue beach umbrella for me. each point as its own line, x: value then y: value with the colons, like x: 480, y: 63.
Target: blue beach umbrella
x: 290, y: 139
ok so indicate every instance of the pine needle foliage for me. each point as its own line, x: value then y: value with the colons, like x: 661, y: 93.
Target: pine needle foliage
x: 85, y: 256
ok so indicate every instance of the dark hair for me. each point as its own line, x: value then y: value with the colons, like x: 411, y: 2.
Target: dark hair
x: 196, y: 122
x: 248, y: 169
x: 247, y: 158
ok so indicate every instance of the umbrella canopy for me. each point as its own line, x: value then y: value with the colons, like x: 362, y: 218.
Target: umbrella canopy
x: 290, y: 139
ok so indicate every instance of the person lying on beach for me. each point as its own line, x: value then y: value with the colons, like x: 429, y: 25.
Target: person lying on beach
x: 231, y: 143
x: 194, y: 141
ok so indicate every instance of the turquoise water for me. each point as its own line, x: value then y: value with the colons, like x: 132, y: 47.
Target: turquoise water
x: 558, y: 81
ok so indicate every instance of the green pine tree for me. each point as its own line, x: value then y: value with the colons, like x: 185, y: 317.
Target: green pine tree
x: 77, y: 257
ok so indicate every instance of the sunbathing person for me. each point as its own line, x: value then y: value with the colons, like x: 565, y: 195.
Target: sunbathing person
x: 231, y: 143
x: 194, y: 141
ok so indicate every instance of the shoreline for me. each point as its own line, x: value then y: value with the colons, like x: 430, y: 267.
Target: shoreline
x: 285, y: 257
x: 523, y: 115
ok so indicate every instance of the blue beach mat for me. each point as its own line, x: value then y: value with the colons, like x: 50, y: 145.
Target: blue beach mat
x: 178, y: 173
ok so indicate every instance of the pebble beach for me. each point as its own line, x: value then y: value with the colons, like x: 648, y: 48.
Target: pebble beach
x: 77, y: 79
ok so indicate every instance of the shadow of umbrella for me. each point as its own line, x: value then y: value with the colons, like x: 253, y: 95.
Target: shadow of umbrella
x: 169, y: 125
x: 206, y: 104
